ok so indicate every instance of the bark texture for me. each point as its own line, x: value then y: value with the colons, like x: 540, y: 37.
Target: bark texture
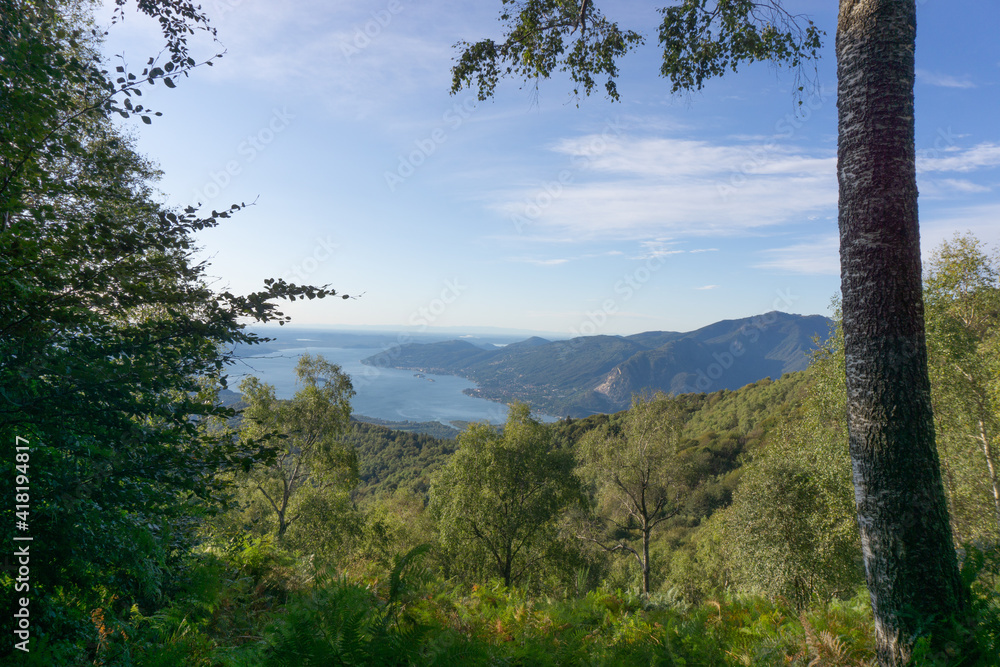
x: 909, y: 556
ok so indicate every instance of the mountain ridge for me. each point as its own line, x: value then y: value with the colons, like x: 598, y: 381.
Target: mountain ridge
x: 591, y: 374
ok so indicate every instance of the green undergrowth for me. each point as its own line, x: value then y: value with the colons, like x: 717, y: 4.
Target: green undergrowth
x: 255, y: 605
x: 259, y: 607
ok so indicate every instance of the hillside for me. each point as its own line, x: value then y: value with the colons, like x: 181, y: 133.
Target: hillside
x: 592, y: 374
x: 720, y: 428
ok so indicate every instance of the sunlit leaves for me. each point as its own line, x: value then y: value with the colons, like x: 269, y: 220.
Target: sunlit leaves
x: 962, y: 297
x: 311, y: 456
x: 542, y: 37
x: 499, y: 495
x: 701, y: 39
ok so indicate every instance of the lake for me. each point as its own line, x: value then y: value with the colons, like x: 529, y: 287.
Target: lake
x: 385, y: 393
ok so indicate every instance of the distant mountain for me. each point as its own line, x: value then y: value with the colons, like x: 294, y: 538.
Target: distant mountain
x: 590, y: 374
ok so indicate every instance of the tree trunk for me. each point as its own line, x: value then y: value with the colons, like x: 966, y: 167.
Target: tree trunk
x: 984, y: 440
x: 507, y: 567
x: 909, y: 557
x: 645, y: 560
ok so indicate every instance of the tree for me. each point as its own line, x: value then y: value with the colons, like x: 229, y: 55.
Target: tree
x: 791, y: 529
x: 500, y: 494
x: 910, y: 560
x: 962, y: 291
x: 112, y: 343
x: 910, y: 563
x: 638, y: 475
x: 312, y: 457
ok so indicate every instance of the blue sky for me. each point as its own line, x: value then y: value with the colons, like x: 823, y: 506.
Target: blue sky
x: 537, y: 211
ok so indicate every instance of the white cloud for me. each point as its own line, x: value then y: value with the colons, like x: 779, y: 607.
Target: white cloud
x: 947, y: 187
x: 821, y: 257
x: 356, y: 58
x: 658, y: 248
x: 708, y: 287
x: 980, y: 156
x: 697, y: 250
x: 943, y: 80
x: 538, y: 262
x: 629, y: 187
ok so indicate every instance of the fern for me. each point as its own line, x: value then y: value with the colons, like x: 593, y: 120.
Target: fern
x: 345, y: 623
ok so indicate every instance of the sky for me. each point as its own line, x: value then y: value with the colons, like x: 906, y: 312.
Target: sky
x: 536, y: 210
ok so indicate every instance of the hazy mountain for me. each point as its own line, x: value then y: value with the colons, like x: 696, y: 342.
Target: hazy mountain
x: 592, y: 374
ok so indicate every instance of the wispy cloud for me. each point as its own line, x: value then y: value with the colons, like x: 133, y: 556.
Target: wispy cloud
x: 696, y: 250
x: 948, y: 187
x: 819, y: 257
x: 703, y: 287
x: 628, y: 187
x: 658, y: 248
x: 939, y: 225
x: 357, y: 58
x: 943, y: 80
x: 539, y: 262
x: 980, y: 156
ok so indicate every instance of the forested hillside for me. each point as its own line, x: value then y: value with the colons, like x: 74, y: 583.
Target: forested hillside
x: 593, y: 374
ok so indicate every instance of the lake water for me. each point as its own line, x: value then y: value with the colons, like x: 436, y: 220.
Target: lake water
x: 385, y: 393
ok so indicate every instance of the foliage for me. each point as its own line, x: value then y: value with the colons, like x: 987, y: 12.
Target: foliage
x: 312, y: 458
x: 746, y: 413
x: 534, y: 47
x: 391, y: 525
x: 699, y: 40
x: 638, y: 476
x: 702, y: 40
x: 344, y: 623
x: 962, y: 293
x: 498, y: 497
x: 112, y: 344
x: 405, y: 617
x: 791, y: 529
x: 391, y: 460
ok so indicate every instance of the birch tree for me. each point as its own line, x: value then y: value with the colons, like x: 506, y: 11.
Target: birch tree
x: 312, y: 456
x: 962, y: 287
x: 639, y: 477
x: 910, y: 560
x: 499, y: 495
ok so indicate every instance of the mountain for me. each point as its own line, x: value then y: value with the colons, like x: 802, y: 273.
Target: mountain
x: 591, y: 374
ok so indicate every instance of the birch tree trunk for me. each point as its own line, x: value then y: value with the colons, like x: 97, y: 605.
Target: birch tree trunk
x: 909, y: 556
